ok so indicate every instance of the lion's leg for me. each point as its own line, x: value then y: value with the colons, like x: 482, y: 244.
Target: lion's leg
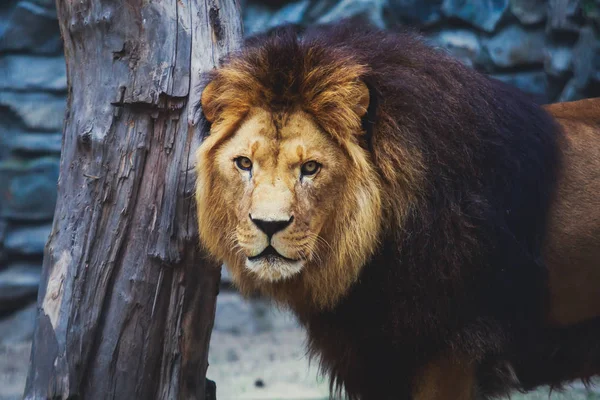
x: 446, y: 378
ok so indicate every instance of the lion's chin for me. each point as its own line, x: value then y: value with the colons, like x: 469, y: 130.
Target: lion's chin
x: 273, y: 268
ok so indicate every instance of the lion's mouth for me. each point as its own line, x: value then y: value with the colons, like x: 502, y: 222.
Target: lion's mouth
x: 270, y: 254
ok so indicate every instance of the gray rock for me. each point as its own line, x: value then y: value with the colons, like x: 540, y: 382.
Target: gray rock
x: 371, y: 10
x: 291, y: 13
x: 3, y: 227
x: 27, y: 240
x: 32, y: 27
x: 461, y: 43
x: 18, y: 286
x: 317, y: 9
x: 570, y: 92
x: 36, y: 143
x: 562, y: 15
x: 559, y: 61
x: 10, y: 124
x: 28, y: 189
x: 585, y: 54
x: 3, y: 255
x: 6, y: 10
x: 49, y: 5
x: 260, y: 18
x: 529, y: 11
x: 37, y: 111
x: 417, y: 12
x: 591, y: 11
x: 484, y: 14
x: 256, y: 18
x: 25, y: 72
x: 534, y: 83
x: 19, y: 326
x: 514, y: 46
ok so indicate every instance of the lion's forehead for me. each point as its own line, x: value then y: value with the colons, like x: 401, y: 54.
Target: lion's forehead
x: 276, y: 140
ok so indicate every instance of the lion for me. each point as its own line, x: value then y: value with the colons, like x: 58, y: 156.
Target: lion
x: 434, y: 230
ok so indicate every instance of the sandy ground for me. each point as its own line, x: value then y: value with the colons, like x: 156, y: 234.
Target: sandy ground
x: 256, y: 353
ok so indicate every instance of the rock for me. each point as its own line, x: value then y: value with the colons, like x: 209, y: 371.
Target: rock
x: 563, y: 15
x: 3, y: 227
x: 514, y: 46
x: 585, y: 54
x: 25, y: 72
x: 256, y: 18
x: 317, y: 9
x: 461, y: 43
x: 260, y: 17
x: 28, y: 189
x: 50, y: 5
x: 558, y: 61
x: 529, y: 11
x: 32, y: 27
x: 370, y: 10
x: 484, y: 14
x: 37, y: 111
x: 10, y: 125
x: 417, y: 12
x: 533, y: 83
x: 18, y: 286
x: 291, y: 13
x: 36, y: 143
x: 591, y: 11
x: 19, y: 326
x: 27, y: 240
x: 570, y: 92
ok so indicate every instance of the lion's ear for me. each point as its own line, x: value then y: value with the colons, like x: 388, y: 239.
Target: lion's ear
x: 362, y: 104
x: 208, y: 107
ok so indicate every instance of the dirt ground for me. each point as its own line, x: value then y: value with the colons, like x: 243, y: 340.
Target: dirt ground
x: 256, y: 353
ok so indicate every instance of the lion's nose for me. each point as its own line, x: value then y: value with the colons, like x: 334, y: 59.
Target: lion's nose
x: 271, y: 227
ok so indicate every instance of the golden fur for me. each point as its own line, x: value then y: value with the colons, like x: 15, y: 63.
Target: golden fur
x: 345, y: 191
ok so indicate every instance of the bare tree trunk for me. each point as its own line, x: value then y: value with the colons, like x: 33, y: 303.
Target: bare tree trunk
x: 126, y: 304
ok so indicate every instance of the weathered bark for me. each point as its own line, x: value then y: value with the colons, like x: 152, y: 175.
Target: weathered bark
x: 126, y: 304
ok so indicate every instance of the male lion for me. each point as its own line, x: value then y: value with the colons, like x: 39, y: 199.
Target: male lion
x: 433, y: 229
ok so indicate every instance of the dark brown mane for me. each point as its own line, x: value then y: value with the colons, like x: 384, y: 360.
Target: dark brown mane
x: 461, y: 270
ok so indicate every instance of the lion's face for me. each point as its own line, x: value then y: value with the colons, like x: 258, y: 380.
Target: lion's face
x: 281, y: 186
x: 279, y: 199
x: 288, y: 194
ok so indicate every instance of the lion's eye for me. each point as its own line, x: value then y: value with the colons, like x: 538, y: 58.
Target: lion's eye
x: 243, y: 163
x: 310, y: 168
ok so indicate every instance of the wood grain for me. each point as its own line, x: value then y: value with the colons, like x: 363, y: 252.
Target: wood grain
x: 127, y: 302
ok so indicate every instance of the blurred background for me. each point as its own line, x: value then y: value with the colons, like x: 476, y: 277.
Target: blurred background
x: 548, y: 48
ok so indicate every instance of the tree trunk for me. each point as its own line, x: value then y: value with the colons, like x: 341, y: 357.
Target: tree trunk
x: 126, y: 304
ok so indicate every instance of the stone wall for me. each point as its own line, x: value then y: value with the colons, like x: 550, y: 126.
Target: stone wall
x: 548, y: 48
x: 32, y: 101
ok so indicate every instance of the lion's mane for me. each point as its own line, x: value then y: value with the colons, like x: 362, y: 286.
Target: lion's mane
x: 467, y: 166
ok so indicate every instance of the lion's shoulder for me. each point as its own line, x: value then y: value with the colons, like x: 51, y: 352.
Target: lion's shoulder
x: 583, y: 111
x: 573, y: 236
